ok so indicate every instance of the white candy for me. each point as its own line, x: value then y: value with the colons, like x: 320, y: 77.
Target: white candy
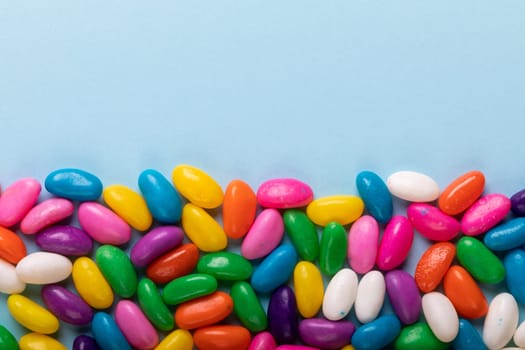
x: 43, y: 268
x: 413, y: 186
x: 340, y: 295
x: 9, y: 281
x: 519, y: 335
x: 501, y: 321
x: 370, y: 296
x: 441, y: 316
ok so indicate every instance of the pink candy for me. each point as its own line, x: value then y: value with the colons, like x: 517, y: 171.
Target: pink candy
x: 432, y: 223
x: 362, y: 244
x: 395, y: 244
x: 135, y: 326
x: 263, y: 341
x: 264, y: 235
x: 46, y: 213
x: 484, y: 214
x: 17, y: 200
x: 284, y: 193
x: 103, y: 225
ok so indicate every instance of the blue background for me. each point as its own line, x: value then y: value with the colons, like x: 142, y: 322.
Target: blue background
x: 317, y: 90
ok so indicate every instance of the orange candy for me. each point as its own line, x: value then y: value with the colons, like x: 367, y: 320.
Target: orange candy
x: 173, y: 264
x: 464, y: 293
x: 433, y: 265
x: 462, y: 192
x: 12, y: 248
x: 222, y: 337
x: 204, y: 311
x: 238, y: 209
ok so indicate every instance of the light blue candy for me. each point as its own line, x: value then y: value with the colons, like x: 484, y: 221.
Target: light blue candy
x: 163, y: 201
x: 275, y: 269
x: 468, y: 337
x: 107, y: 334
x: 506, y: 236
x: 377, y: 334
x: 74, y: 184
x: 375, y: 194
x: 514, y: 263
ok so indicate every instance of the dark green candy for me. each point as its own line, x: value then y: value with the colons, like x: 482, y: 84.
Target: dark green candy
x: 7, y: 340
x: 418, y: 336
x: 333, y: 248
x: 247, y: 307
x: 477, y: 259
x: 225, y: 266
x: 188, y: 287
x: 118, y: 270
x: 154, y: 308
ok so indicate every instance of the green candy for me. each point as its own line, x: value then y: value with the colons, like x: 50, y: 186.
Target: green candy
x: 154, y: 308
x: 303, y: 234
x: 247, y: 307
x: 7, y: 340
x: 477, y: 259
x: 418, y: 336
x: 188, y: 287
x: 225, y: 266
x: 118, y: 270
x: 333, y: 248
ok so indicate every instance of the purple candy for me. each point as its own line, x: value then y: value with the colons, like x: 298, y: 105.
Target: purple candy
x: 155, y: 243
x: 326, y: 334
x: 282, y: 315
x: 85, y: 342
x: 65, y: 240
x: 66, y: 305
x: 517, y: 202
x: 404, y: 295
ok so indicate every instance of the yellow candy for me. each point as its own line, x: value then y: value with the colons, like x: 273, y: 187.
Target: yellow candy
x: 348, y: 347
x: 179, y: 339
x: 31, y: 315
x: 91, y: 284
x: 36, y: 341
x: 129, y: 205
x: 342, y: 209
x: 309, y: 288
x: 197, y: 186
x: 202, y: 229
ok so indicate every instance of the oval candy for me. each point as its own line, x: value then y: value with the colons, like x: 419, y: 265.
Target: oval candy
x: 464, y: 293
x: 150, y: 301
x: 418, y: 336
x: 176, y: 263
x: 222, y: 337
x: 375, y: 195
x: 163, y: 202
x: 302, y: 233
x: 370, y: 296
x: 10, y: 283
x: 326, y: 334
x: 17, y: 200
x: 264, y: 235
x: 519, y: 335
x: 343, y: 209
x: 333, y: 248
x: 514, y: 263
x: 441, y: 316
x: 129, y: 205
x: 468, y: 337
x: 395, y: 244
x: 74, y: 184
x: 433, y: 265
x: 85, y: 342
x: 462, y: 192
x: 482, y: 264
x: 197, y: 186
x: 45, y: 214
x: 31, y: 315
x: 238, y: 209
x: 7, y: 340
x: 36, y: 341
x: 91, y: 284
x: 377, y: 334
x: 155, y: 243
x: 179, y: 339
x: 12, y: 248
x: 43, y: 268
x: 282, y: 315
x: 202, y: 229
x: 309, y: 288
x: 188, y: 287
x: 65, y: 240
x: 107, y: 333
x: 404, y: 295
x: 413, y: 186
x: 284, y: 193
x: 506, y: 236
x: 340, y: 295
x: 117, y: 269
x: 263, y: 341
x: 225, y: 266
x: 275, y: 269
x: 363, y: 242
x: 517, y: 203
x: 204, y: 311
x: 432, y: 223
x: 501, y: 321
x: 484, y: 214
x: 247, y: 307
x: 66, y: 305
x: 103, y: 225
x: 135, y: 326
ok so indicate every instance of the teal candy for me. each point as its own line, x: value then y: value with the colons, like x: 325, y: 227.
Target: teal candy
x: 74, y: 184
x: 506, y: 236
x: 162, y: 199
x: 468, y: 337
x: 377, y: 334
x: 275, y: 270
x: 514, y: 263
x: 107, y: 334
x: 376, y: 196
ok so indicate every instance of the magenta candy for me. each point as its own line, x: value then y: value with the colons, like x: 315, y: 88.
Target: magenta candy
x: 65, y: 240
x: 284, y: 193
x: 103, y: 225
x: 264, y: 235
x: 155, y: 243
x: 282, y: 315
x: 363, y: 239
x: 135, y: 326
x: 263, y: 341
x: 85, y: 342
x: 484, y: 214
x: 295, y: 347
x: 395, y: 244
x: 432, y: 223
x: 66, y: 305
x: 17, y: 200
x: 404, y: 295
x: 46, y: 213
x: 326, y: 334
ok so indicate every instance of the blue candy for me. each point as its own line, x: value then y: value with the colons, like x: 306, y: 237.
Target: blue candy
x: 107, y: 334
x: 377, y: 334
x: 514, y: 263
x: 74, y: 184
x: 468, y: 337
x: 506, y: 236
x: 275, y: 269
x: 375, y: 194
x: 163, y: 201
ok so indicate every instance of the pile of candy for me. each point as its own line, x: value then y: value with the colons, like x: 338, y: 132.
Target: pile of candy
x: 179, y: 288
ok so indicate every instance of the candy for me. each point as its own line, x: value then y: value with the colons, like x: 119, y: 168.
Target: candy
x: 376, y: 334
x: 325, y: 334
x: 370, y: 296
x: 238, y: 209
x: 263, y: 341
x: 468, y: 337
x: 135, y: 326
x: 514, y: 263
x: 247, y: 307
x: 84, y: 342
x: 222, y: 337
x: 36, y: 341
x: 506, y: 236
x: 155, y: 243
x: 129, y: 205
x: 501, y: 321
x: 284, y: 193
x: 65, y: 240
x: 418, y: 336
x: 188, y: 287
x: 197, y: 186
x: 295, y: 347
x: 164, y: 203
x: 519, y: 335
x: 12, y: 248
x: 363, y: 241
x: 343, y: 209
x: 151, y: 303
x: 173, y: 264
x: 10, y: 283
x: 375, y: 195
x: 433, y: 265
x: 204, y: 311
x: 333, y: 248
x: 413, y: 186
x: 340, y: 295
x: 309, y: 288
x: 46, y: 213
x: 404, y: 295
x: 107, y: 333
x: 66, y: 305
x: 484, y: 214
x: 31, y: 315
x: 264, y: 235
x: 179, y: 339
x: 117, y: 269
x: 517, y: 201
x: 7, y: 340
x: 202, y: 229
x: 479, y: 261
x: 462, y: 192
x: 432, y: 223
x: 225, y: 266
x: 43, y: 268
x: 91, y: 284
x: 441, y: 316
x: 302, y: 233
x: 17, y: 200
x: 395, y: 244
x: 275, y: 269
x: 103, y: 225
x: 464, y: 293
x: 282, y: 315
x: 74, y: 184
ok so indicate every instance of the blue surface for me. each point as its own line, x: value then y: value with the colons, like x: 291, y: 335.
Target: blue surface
x: 254, y: 90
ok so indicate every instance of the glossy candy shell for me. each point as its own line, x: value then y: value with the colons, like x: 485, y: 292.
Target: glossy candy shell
x: 462, y: 192
x: 74, y: 184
